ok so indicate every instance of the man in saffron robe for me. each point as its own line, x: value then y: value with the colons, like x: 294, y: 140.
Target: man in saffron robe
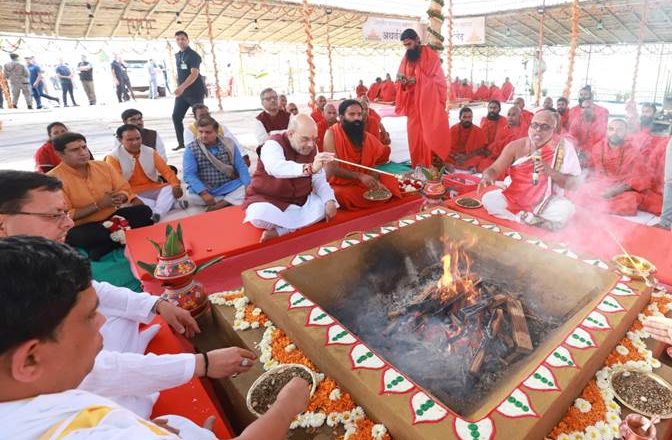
x: 496, y: 93
x: 468, y: 143
x: 272, y: 119
x: 540, y: 169
x: 548, y: 103
x: 374, y: 90
x: 507, y: 90
x: 641, y: 135
x: 422, y: 98
x: 512, y: 131
x: 466, y: 91
x: 318, y: 113
x: 526, y: 115
x: 361, y: 89
x: 482, y: 93
x: 388, y: 91
x: 282, y: 102
x: 493, y: 123
x: 289, y: 189
x: 349, y: 141
x: 617, y: 176
x: 330, y: 118
x: 373, y: 122
x: 562, y: 107
x: 588, y: 130
x: 601, y: 113
x: 653, y: 197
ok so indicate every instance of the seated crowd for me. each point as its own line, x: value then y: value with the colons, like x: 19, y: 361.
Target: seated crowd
x: 74, y: 350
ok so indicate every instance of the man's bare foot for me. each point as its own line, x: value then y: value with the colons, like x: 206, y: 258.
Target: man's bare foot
x: 217, y: 206
x: 268, y: 234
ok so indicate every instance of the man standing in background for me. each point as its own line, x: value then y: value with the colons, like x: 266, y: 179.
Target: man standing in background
x: 190, y: 88
x: 64, y: 74
x: 121, y: 80
x: 37, y: 83
x: 85, y: 70
x: 17, y: 75
x: 153, y: 71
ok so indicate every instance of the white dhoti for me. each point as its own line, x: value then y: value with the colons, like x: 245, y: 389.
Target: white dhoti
x: 235, y: 197
x: 79, y: 414
x: 160, y: 200
x: 265, y: 215
x: 557, y: 210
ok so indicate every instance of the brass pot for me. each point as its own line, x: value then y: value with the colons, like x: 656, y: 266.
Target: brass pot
x: 642, y: 269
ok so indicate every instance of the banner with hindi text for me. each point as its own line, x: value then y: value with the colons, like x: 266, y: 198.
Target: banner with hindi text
x: 468, y: 31
x: 387, y: 30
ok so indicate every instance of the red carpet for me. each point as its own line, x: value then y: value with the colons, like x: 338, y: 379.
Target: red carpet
x: 587, y: 232
x: 190, y: 400
x: 222, y: 232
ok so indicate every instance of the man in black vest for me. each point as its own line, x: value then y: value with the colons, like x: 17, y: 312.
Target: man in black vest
x: 190, y: 87
x: 150, y: 138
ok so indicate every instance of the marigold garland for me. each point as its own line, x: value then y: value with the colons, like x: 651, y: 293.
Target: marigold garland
x: 330, y: 405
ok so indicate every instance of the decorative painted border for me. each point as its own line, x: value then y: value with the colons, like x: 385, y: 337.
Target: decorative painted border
x: 424, y: 408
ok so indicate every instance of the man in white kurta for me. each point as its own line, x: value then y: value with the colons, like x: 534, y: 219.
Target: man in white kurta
x: 50, y: 327
x: 289, y: 189
x: 540, y: 167
x: 122, y: 372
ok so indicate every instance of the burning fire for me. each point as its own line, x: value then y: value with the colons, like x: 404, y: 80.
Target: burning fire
x: 455, y: 281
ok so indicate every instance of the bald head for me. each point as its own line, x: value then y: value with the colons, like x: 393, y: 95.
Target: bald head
x: 302, y: 132
x: 513, y: 116
x: 330, y: 114
x: 542, y: 127
x: 321, y: 102
x: 519, y: 102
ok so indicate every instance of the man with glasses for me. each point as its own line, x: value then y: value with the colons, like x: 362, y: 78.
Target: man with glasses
x: 272, y: 120
x: 540, y: 169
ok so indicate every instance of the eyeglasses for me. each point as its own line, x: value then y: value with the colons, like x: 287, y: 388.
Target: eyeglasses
x: 55, y: 217
x: 540, y: 127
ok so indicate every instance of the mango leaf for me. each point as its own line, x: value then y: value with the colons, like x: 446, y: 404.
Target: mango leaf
x: 169, y: 230
x: 171, y: 246
x: 148, y: 267
x: 208, y: 264
x: 179, y: 233
x: 157, y: 246
x: 428, y: 173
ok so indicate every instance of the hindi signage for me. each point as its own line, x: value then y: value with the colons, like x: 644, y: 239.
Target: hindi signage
x: 468, y: 31
x: 387, y: 30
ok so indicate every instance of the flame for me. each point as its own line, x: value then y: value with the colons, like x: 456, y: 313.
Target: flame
x: 455, y: 281
x: 446, y: 280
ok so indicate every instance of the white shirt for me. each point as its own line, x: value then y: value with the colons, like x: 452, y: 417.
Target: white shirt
x: 86, y: 415
x: 275, y: 164
x: 260, y: 132
x: 161, y: 147
x: 124, y: 303
x: 130, y: 379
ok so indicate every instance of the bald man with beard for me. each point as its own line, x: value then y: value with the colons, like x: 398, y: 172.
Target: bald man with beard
x: 540, y: 169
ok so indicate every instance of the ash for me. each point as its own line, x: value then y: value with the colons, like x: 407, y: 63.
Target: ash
x: 458, y: 348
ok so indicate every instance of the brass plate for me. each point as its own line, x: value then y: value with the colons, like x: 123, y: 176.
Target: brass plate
x: 624, y: 265
x: 469, y: 203
x: 653, y: 376
x: 378, y: 195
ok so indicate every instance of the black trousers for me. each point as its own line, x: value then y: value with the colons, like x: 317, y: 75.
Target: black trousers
x: 38, y: 94
x: 182, y: 105
x: 66, y: 87
x: 95, y: 239
x: 124, y: 89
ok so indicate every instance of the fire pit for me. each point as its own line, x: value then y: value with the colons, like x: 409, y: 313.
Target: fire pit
x: 443, y: 327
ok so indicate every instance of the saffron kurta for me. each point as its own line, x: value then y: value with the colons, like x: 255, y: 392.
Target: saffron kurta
x: 350, y: 192
x: 466, y: 141
x: 424, y: 104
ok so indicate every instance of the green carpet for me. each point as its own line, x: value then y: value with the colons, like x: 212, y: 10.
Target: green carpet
x: 115, y: 269
x: 395, y: 168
